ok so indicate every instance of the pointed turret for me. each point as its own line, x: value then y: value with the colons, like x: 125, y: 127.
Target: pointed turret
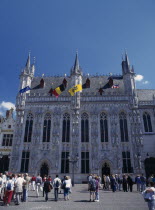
x: 76, y: 69
x: 126, y: 65
x: 28, y: 62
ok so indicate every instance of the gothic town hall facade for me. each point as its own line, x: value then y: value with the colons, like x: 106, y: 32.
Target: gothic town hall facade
x: 103, y: 131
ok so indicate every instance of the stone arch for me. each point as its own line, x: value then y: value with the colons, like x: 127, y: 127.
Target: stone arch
x: 46, y: 163
x: 105, y: 163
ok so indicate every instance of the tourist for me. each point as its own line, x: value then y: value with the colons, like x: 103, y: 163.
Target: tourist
x: 107, y: 182
x: 138, y: 182
x: 38, y: 184
x: 1, y: 187
x: 92, y: 188
x: 97, y: 189
x: 8, y: 191
x: 113, y: 183
x: 19, y: 188
x: 149, y: 196
x: 56, y: 185
x: 26, y: 187
x: 47, y: 188
x: 67, y: 187
x: 143, y: 182
x: 124, y: 183
x: 33, y: 182
x: 130, y: 183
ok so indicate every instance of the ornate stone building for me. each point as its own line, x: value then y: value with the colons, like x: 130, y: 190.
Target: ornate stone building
x: 110, y: 130
x: 7, y: 124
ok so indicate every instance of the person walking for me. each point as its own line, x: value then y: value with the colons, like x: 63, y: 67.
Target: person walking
x: 97, y: 189
x: 67, y: 187
x: 138, y: 182
x: 26, y: 187
x: 47, y: 188
x: 19, y: 188
x: 124, y: 183
x: 149, y: 196
x: 56, y: 185
x: 130, y: 183
x: 38, y: 184
x: 8, y: 191
x: 33, y: 182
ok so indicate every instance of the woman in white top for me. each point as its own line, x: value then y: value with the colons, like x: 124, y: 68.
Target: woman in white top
x: 8, y: 191
x: 67, y: 184
x: 149, y: 196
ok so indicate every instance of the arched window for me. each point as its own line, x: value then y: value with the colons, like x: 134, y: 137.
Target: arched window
x: 147, y: 122
x: 123, y: 127
x: 84, y: 127
x: 47, y: 128
x: 28, y: 128
x: 66, y: 128
x: 103, y: 127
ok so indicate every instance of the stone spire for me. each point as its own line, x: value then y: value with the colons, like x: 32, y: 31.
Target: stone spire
x: 76, y: 69
x: 28, y: 62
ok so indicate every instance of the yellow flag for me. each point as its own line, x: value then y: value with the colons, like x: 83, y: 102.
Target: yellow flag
x: 75, y: 89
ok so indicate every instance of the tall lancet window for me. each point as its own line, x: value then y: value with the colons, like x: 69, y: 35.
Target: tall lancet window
x: 84, y: 127
x: 103, y: 127
x: 66, y: 128
x: 47, y: 128
x: 123, y: 127
x: 28, y: 128
x: 147, y: 122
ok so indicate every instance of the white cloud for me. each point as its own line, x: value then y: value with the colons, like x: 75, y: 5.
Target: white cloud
x: 139, y: 77
x: 5, y: 106
x: 145, y: 82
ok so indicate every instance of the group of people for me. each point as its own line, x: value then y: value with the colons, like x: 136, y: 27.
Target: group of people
x: 16, y: 187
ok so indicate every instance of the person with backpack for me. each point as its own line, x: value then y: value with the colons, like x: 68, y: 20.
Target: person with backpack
x: 38, y: 184
x: 92, y: 188
x: 19, y: 188
x: 47, y: 188
x: 8, y: 191
x: 56, y: 185
x: 143, y: 182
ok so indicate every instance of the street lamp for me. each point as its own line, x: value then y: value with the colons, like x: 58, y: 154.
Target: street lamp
x: 73, y: 160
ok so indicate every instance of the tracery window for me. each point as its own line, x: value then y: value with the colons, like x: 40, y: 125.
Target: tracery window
x: 66, y: 128
x: 147, y: 122
x: 103, y: 127
x: 123, y: 127
x: 84, y: 127
x: 28, y: 128
x: 126, y: 163
x: 84, y: 162
x: 25, y: 161
x: 47, y: 128
x: 64, y: 162
x: 7, y: 140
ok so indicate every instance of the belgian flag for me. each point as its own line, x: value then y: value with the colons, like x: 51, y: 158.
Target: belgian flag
x: 57, y: 91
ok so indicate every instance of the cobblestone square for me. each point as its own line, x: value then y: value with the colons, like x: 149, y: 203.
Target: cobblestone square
x: 79, y: 199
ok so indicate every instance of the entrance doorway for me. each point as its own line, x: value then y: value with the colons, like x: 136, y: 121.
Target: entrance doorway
x: 44, y: 170
x: 4, y: 163
x: 149, y: 166
x: 105, y: 169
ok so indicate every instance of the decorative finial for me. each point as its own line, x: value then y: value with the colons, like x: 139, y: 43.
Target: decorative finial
x: 34, y: 59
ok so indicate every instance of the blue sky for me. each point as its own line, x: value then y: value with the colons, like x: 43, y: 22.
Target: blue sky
x: 54, y: 29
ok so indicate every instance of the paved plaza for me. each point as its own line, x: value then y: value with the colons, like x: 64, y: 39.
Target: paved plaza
x: 79, y: 199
